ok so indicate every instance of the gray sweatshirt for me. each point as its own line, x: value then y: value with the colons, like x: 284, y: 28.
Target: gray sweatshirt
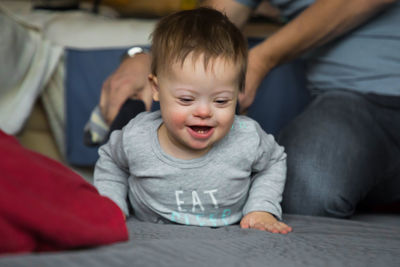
x: 245, y: 171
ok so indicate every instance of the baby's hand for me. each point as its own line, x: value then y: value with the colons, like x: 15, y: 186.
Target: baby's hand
x: 264, y: 221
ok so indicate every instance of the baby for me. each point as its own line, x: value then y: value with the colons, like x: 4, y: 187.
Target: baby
x: 195, y: 162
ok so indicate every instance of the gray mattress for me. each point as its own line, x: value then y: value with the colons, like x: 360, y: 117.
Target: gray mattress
x: 315, y: 241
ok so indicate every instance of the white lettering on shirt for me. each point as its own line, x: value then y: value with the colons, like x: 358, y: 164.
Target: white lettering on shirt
x: 213, y: 199
x: 196, y: 202
x: 178, y: 201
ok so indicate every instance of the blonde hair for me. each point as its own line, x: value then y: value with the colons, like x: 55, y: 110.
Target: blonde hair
x: 198, y: 32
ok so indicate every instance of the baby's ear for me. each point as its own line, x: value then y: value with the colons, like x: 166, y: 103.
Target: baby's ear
x: 154, y: 86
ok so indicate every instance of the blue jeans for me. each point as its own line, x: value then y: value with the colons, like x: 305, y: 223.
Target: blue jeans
x: 344, y: 148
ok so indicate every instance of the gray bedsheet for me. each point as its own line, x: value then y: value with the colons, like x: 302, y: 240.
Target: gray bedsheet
x: 315, y: 241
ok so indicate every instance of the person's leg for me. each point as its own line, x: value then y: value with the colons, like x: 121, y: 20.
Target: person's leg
x: 335, y: 152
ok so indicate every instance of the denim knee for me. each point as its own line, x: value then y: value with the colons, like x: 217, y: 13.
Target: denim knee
x: 310, y: 192
x: 325, y: 148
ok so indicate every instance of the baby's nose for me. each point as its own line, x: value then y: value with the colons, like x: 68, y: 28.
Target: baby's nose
x: 203, y: 110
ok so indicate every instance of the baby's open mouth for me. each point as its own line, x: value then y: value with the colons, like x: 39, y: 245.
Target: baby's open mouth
x: 201, y: 129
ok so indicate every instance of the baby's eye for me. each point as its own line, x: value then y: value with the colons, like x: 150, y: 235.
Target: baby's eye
x: 221, y: 101
x: 185, y: 100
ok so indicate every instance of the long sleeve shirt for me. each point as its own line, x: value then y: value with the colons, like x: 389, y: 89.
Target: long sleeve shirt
x: 243, y: 172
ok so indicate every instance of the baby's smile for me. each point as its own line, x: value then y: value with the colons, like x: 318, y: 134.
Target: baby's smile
x: 201, y: 132
x: 200, y: 129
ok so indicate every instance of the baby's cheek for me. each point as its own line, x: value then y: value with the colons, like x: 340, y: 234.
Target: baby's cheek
x: 178, y: 118
x: 226, y: 120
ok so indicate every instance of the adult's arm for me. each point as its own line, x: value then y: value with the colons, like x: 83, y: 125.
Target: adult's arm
x: 318, y: 24
x: 238, y: 13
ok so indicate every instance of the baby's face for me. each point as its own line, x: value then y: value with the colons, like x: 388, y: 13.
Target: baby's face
x: 197, y: 105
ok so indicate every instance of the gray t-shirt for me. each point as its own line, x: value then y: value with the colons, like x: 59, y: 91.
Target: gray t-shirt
x: 245, y: 171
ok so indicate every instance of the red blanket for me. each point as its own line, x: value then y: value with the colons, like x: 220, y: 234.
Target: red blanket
x: 46, y: 206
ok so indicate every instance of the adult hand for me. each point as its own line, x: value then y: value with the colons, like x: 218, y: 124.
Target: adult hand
x: 257, y: 69
x: 130, y: 80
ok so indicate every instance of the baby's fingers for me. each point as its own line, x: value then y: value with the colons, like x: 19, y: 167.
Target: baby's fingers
x: 279, y: 227
x: 265, y: 227
x: 244, y: 224
x: 259, y: 226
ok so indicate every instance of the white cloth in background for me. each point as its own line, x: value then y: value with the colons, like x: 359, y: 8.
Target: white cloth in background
x: 82, y: 29
x: 32, y: 43
x: 27, y: 63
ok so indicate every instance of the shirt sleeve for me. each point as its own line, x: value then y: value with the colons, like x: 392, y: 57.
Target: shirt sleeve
x: 269, y: 176
x: 111, y: 172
